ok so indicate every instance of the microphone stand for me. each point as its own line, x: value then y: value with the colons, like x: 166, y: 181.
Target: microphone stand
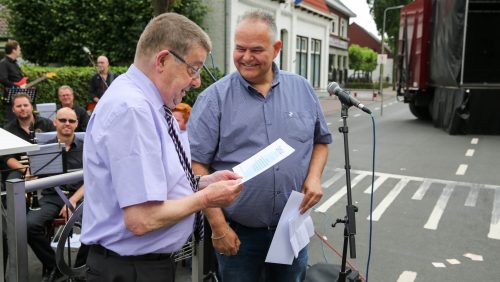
x: 349, y: 220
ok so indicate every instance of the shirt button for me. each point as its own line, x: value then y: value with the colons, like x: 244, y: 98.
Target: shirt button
x: 277, y: 168
x: 279, y: 192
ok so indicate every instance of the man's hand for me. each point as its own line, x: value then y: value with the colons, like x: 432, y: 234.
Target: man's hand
x: 312, y: 193
x: 229, y: 244
x: 217, y: 176
x: 222, y: 193
x: 67, y: 214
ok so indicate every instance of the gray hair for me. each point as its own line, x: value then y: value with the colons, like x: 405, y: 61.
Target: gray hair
x: 65, y: 87
x: 173, y: 32
x: 262, y: 16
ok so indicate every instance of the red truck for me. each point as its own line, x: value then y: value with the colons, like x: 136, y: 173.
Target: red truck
x: 448, y: 64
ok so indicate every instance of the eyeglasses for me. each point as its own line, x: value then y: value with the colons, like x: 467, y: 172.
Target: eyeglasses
x: 193, y: 71
x: 64, y: 120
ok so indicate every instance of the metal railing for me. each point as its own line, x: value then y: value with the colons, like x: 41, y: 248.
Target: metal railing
x: 16, y: 221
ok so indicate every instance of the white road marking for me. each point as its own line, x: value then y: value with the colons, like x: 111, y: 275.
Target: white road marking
x: 387, y: 201
x: 377, y: 108
x: 328, y: 123
x: 330, y: 181
x: 376, y: 184
x: 469, y: 153
x: 474, y: 141
x: 420, y: 193
x: 453, y: 261
x: 461, y: 169
x: 333, y: 199
x: 472, y: 196
x: 495, y: 218
x: 357, y: 115
x: 439, y: 264
x: 421, y: 179
x: 407, y: 276
x: 474, y: 257
x: 437, y: 212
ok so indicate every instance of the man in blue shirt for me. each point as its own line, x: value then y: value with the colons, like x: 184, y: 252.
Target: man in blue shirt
x: 140, y: 192
x: 235, y: 118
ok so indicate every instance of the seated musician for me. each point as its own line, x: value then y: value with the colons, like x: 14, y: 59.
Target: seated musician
x: 51, y: 204
x: 24, y: 126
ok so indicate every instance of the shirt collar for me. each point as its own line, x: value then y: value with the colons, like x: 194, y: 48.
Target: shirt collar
x: 146, y: 85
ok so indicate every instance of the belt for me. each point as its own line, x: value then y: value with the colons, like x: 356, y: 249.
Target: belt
x: 268, y: 228
x: 98, y: 249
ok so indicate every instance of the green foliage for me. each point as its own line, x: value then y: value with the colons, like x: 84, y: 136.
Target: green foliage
x: 195, y: 10
x: 54, y: 32
x: 391, y: 21
x: 79, y: 79
x: 365, y: 85
x: 362, y: 59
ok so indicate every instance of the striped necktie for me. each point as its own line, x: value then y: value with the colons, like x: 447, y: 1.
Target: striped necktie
x: 198, y: 222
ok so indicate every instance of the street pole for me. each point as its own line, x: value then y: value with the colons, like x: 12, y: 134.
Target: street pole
x: 382, y: 49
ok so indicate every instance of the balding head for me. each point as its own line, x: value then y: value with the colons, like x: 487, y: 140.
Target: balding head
x: 66, y: 122
x: 103, y: 64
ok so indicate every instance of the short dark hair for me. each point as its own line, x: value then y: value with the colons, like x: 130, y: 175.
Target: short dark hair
x: 10, y: 46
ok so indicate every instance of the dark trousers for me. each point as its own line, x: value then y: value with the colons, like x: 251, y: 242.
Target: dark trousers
x: 105, y: 265
x: 37, y: 220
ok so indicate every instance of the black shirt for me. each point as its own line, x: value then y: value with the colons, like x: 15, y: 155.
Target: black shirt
x: 41, y: 125
x: 10, y: 72
x: 73, y: 159
x: 97, y: 86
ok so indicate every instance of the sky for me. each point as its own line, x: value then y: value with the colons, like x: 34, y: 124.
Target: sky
x: 363, y: 16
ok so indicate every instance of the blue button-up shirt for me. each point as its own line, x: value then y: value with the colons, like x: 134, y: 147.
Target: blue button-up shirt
x: 129, y: 158
x: 231, y: 121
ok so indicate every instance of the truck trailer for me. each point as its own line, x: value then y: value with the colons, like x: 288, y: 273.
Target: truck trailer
x: 448, y: 63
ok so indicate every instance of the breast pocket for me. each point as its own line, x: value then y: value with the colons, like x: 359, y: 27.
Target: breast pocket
x: 300, y: 125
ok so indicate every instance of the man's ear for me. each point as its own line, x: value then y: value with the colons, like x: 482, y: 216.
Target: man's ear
x: 160, y: 59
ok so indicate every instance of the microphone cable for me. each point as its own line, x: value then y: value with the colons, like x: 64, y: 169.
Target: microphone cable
x: 371, y: 201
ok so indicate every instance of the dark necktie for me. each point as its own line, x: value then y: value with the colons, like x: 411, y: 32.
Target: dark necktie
x: 198, y: 221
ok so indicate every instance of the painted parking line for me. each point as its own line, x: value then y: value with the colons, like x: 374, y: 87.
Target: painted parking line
x: 474, y: 141
x: 461, y: 169
x: 495, y: 218
x: 387, y: 201
x: 337, y: 196
x: 469, y: 153
x: 407, y: 276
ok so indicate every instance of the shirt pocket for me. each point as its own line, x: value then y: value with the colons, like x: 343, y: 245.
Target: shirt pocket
x: 299, y: 125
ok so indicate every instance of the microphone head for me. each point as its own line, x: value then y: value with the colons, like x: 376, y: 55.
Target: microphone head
x: 86, y: 50
x: 332, y: 87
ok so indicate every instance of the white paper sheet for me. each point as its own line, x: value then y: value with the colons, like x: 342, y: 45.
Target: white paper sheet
x: 292, y: 233
x: 263, y: 160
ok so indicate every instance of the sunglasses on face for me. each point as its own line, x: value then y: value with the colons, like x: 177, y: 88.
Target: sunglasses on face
x: 64, y: 120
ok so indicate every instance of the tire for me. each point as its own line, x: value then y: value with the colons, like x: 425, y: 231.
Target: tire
x: 421, y: 112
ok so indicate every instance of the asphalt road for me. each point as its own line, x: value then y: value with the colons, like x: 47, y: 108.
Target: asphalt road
x: 436, y: 207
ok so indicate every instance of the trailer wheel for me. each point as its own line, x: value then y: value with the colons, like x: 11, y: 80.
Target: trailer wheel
x: 421, y: 112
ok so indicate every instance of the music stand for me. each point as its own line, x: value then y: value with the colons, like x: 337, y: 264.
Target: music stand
x: 47, y: 110
x: 49, y: 160
x: 31, y: 92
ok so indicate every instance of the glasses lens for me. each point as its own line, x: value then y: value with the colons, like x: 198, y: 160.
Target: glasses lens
x: 63, y: 120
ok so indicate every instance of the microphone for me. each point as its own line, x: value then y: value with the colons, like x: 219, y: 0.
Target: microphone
x: 86, y: 50
x: 345, y: 97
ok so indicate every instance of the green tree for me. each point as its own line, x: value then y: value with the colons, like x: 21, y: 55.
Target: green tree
x: 54, y: 32
x: 355, y: 58
x: 377, y: 8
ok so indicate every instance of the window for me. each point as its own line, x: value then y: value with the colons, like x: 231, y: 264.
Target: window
x: 343, y: 28
x: 316, y: 62
x: 335, y: 25
x: 301, y: 60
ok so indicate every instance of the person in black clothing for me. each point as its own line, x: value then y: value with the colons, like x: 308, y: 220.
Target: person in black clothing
x: 100, y: 82
x: 24, y: 126
x: 67, y: 98
x: 10, y: 73
x: 51, y: 205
